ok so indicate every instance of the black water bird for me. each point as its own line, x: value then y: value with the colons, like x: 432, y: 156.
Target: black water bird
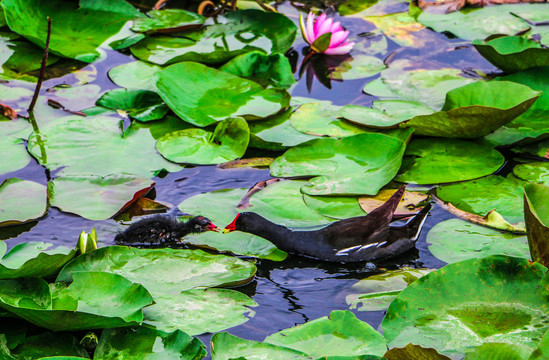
x: 362, y: 238
x: 160, y: 229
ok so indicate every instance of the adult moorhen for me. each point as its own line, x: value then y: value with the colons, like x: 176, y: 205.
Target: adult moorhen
x: 160, y: 229
x: 361, y: 238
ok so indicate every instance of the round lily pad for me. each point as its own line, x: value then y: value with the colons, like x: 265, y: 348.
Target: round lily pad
x: 465, y: 304
x: 21, y: 201
x: 197, y: 146
x: 202, y: 96
x: 168, y: 20
x: 137, y: 75
x: 335, y: 207
x: 456, y: 240
x: 141, y: 105
x: 534, y: 172
x: 384, y: 113
x: 11, y: 144
x: 358, y: 67
x: 447, y: 160
x: 322, y: 119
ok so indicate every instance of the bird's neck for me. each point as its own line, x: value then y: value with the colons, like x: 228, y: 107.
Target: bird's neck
x: 277, y: 234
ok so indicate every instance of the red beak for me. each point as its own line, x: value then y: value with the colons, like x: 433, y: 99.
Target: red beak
x: 231, y: 226
x: 212, y: 227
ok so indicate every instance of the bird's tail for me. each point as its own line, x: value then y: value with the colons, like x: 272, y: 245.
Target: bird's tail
x: 412, y: 228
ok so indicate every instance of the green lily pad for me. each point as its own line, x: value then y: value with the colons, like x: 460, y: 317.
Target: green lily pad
x: 323, y: 119
x: 542, y: 350
x: 228, y: 347
x: 137, y: 75
x: 202, y: 96
x: 483, y: 195
x: 95, y: 145
x: 468, y: 303
x: 533, y: 122
x: 447, y: 160
x: 112, y: 301
x: 400, y: 27
x: 165, y: 270
x: 96, y: 197
x: 475, y: 110
x: 354, y: 165
x: 539, y: 149
x: 376, y: 292
x: 141, y: 105
x: 358, y: 67
x: 50, y: 344
x: 479, y: 23
x: 228, y: 142
x: 77, y: 31
x: 340, y: 334
x: 513, y: 53
x: 21, y: 201
x: 266, y: 70
x: 21, y: 57
x: 11, y: 144
x: 220, y: 205
x: 34, y: 259
x: 414, y: 352
x: 384, y: 113
x: 234, y: 33
x: 456, y: 240
x: 533, y: 172
x: 142, y: 343
x: 335, y: 207
x: 536, y: 213
x: 500, y: 351
x: 429, y: 87
x: 168, y: 20
x: 199, y: 311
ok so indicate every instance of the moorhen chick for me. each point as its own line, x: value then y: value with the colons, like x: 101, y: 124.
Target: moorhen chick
x: 362, y: 238
x: 160, y: 229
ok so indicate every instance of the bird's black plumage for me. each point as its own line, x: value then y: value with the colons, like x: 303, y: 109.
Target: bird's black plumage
x: 160, y: 229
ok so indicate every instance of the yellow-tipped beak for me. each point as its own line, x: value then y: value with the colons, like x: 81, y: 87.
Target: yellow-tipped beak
x: 225, y: 231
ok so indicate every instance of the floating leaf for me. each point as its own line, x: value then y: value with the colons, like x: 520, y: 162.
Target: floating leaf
x: 141, y: 105
x: 199, y: 311
x: 340, y: 334
x: 465, y: 304
x: 384, y: 113
x: 475, y: 110
x: 197, y: 146
x: 50, y: 344
x: 202, y: 96
x: 358, y: 67
x: 537, y: 221
x: 262, y: 162
x: 376, y: 292
x: 21, y: 201
x: 78, y: 30
x: 137, y: 75
x: 168, y: 20
x: 163, y: 270
x: 359, y: 164
x: 96, y: 197
x: 235, y: 33
x: 513, y: 53
x: 534, y: 172
x: 142, y: 343
x: 322, y: 119
x: 456, y: 240
x: 335, y: 207
x: 266, y: 70
x: 480, y: 196
x: 447, y: 160
x: 539, y: 149
x: 400, y: 27
x: 414, y: 352
x: 34, y: 259
x: 409, y: 204
x: 112, y: 301
x: 500, y: 351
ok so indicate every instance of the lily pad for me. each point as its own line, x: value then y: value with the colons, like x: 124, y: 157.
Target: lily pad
x: 197, y: 146
x: 539, y: 149
x: 400, y: 27
x: 21, y: 201
x: 480, y: 196
x: 414, y: 352
x: 96, y: 197
x: 513, y: 53
x: 168, y: 20
x: 500, y: 351
x: 168, y: 270
x: 11, y: 144
x: 141, y: 343
x: 220, y: 205
x: 476, y: 110
x: 358, y: 67
x: 96, y: 145
x: 354, y: 165
x: 227, y: 347
x: 409, y: 204
x: 335, y: 207
x: 137, y: 75
x: 456, y: 240
x: 199, y: 311
x: 266, y: 70
x: 536, y: 198
x: 447, y: 160
x: 533, y: 172
x: 376, y: 292
x: 384, y: 113
x: 323, y: 119
x: 340, y: 334
x: 202, y: 96
x: 78, y: 30
x: 34, y: 259
x: 141, y: 105
x: 56, y: 345
x: 505, y: 302
x: 112, y: 301
x: 235, y: 33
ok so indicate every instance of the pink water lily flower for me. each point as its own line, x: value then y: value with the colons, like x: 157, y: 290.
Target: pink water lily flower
x: 338, y: 45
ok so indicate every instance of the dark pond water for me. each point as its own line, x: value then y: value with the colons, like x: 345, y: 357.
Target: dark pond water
x: 296, y: 290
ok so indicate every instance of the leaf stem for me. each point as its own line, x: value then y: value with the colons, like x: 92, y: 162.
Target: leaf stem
x: 42, y: 69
